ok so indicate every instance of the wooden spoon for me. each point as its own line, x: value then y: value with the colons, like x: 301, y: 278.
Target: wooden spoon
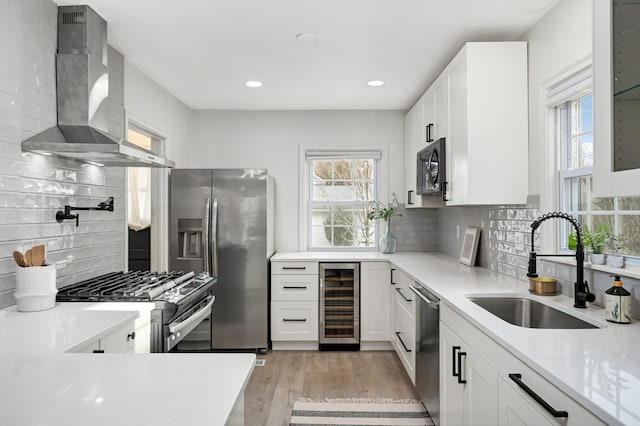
x: 19, y: 258
x: 38, y: 255
x: 27, y: 258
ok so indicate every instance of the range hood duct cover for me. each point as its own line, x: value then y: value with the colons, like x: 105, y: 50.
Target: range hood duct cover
x: 82, y: 77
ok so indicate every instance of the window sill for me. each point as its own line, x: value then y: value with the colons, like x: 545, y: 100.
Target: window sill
x: 630, y: 271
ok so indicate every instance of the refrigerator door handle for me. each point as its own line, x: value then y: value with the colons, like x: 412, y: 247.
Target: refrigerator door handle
x: 214, y: 238
x: 205, y: 236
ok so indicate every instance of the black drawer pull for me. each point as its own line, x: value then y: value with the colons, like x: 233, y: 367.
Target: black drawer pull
x: 131, y: 336
x: 399, y: 290
x: 98, y: 351
x: 300, y: 287
x: 294, y: 268
x: 392, y: 282
x: 518, y: 379
x: 402, y: 343
x: 294, y: 319
x: 460, y: 355
x: 409, y: 198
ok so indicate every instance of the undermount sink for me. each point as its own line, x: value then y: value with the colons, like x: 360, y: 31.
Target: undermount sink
x: 529, y: 313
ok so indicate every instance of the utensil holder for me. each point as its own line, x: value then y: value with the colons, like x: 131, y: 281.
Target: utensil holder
x: 35, y: 288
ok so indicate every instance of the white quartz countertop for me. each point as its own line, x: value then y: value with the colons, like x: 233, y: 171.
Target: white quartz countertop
x: 42, y: 384
x: 599, y: 368
x: 329, y: 256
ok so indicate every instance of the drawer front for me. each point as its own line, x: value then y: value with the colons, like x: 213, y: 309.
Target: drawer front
x: 558, y: 400
x: 406, y: 301
x: 404, y: 341
x: 294, y: 287
x: 120, y: 341
x: 295, y: 268
x: 294, y: 321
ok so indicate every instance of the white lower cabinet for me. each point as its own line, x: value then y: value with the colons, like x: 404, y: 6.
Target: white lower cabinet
x: 297, y: 321
x: 479, y: 383
x: 403, y: 321
x: 121, y: 340
x: 468, y: 384
x: 375, y: 306
x: 540, y: 404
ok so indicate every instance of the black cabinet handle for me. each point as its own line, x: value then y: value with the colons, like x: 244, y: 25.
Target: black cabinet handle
x: 392, y: 282
x: 399, y: 290
x: 302, y: 287
x: 98, y: 351
x: 294, y: 319
x: 402, y: 343
x: 429, y: 138
x: 460, y: 355
x: 295, y: 268
x: 454, y: 349
x: 409, y: 200
x: 131, y: 336
x: 555, y: 413
x: 444, y: 191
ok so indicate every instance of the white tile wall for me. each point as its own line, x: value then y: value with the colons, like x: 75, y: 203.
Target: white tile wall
x: 33, y: 187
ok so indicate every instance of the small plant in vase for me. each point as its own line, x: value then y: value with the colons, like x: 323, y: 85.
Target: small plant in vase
x: 615, y: 243
x: 597, y: 241
x: 377, y: 210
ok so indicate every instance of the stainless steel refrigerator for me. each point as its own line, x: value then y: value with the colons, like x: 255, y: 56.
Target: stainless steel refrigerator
x: 221, y: 222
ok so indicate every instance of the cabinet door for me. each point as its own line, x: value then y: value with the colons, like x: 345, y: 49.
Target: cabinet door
x: 120, y: 341
x: 410, y: 159
x: 457, y: 157
x: 427, y: 132
x: 481, y: 390
x: 451, y: 392
x: 291, y: 321
x: 374, y: 301
x: 441, y: 99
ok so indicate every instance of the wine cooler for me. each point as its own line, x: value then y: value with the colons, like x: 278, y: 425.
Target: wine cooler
x: 340, y: 305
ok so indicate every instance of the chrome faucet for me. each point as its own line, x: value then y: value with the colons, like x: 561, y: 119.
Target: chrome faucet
x: 581, y: 291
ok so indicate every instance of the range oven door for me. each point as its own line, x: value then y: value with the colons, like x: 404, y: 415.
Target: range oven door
x: 191, y: 331
x: 431, y: 169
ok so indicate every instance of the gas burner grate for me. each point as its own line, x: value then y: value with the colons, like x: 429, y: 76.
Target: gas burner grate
x: 119, y: 286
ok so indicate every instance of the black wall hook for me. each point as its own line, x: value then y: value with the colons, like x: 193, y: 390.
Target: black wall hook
x: 106, y: 205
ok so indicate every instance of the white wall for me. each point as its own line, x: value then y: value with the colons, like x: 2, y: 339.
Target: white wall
x: 271, y: 140
x: 151, y: 105
x: 561, y: 38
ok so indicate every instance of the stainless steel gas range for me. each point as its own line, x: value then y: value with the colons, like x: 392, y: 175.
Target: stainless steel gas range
x: 181, y: 319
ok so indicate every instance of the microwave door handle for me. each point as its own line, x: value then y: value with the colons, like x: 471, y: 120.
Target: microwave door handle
x: 205, y: 235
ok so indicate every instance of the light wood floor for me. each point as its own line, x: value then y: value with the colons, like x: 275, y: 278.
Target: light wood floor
x: 289, y: 375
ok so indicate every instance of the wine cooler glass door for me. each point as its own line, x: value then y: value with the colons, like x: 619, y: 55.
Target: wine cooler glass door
x: 339, y: 303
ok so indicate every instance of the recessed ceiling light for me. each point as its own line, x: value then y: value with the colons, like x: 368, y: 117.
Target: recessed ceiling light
x: 375, y: 83
x: 306, y: 38
x: 253, y: 83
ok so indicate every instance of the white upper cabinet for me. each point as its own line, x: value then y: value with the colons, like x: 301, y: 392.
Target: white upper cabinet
x: 488, y: 124
x: 412, y: 130
x: 616, y: 162
x: 479, y: 103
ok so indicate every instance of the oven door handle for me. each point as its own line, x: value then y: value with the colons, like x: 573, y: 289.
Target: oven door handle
x: 195, y: 318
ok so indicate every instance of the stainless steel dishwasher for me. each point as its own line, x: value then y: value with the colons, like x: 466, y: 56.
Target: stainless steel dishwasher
x: 427, y: 350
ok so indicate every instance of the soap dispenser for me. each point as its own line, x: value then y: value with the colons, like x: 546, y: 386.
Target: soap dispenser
x: 618, y: 303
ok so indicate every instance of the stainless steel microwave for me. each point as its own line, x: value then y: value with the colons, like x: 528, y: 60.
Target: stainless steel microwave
x: 432, y: 169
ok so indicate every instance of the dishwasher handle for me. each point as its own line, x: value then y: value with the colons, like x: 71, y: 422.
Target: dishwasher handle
x: 430, y: 303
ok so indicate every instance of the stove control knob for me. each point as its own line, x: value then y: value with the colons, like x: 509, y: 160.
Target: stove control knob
x: 173, y: 337
x: 203, y: 275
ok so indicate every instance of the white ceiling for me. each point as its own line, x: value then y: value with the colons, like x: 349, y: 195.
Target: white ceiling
x: 202, y: 51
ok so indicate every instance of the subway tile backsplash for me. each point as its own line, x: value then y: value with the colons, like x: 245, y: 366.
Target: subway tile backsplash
x: 33, y: 187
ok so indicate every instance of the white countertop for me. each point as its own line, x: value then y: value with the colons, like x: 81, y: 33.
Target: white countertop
x: 41, y: 384
x: 599, y: 368
x: 329, y: 256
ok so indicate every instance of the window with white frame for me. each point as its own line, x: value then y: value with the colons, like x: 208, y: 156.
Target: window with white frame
x: 139, y: 190
x: 572, y: 103
x: 341, y: 186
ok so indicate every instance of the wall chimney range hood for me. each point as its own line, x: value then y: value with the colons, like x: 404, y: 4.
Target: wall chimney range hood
x: 82, y: 77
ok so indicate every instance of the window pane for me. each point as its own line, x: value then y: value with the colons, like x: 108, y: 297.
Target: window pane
x: 343, y: 180
x: 576, y: 193
x: 585, y: 144
x: 341, y: 226
x: 629, y: 203
x: 630, y: 232
x: 586, y: 113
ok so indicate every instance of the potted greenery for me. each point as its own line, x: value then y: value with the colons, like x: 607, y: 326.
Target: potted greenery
x: 595, y: 242
x: 615, y: 243
x: 377, y: 210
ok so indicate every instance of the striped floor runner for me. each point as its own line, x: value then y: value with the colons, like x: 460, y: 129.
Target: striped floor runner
x: 359, y: 411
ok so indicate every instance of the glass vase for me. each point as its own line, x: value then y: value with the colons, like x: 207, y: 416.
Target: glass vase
x: 388, y: 242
